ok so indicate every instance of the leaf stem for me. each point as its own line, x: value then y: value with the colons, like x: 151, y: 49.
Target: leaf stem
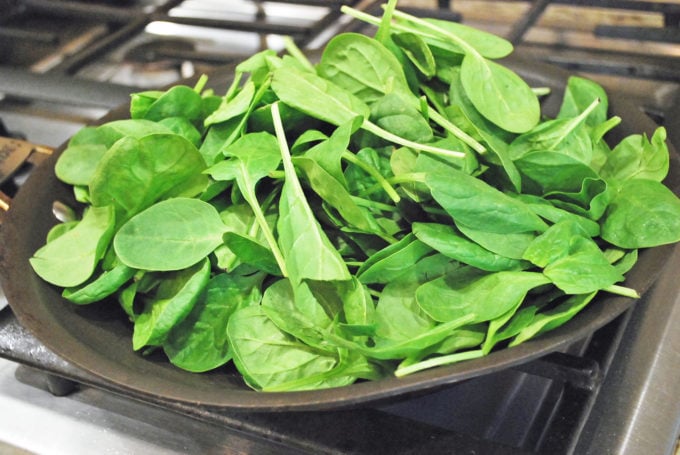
x: 574, y: 123
x: 457, y: 132
x: 541, y: 91
x: 373, y: 204
x: 293, y: 49
x: 370, y: 170
x: 383, y: 32
x: 375, y: 129
x: 438, y: 361
x: 233, y: 87
x: 200, y: 83
x: 427, y: 25
x: 266, y: 230
x: 269, y: 236
x: 622, y: 290
x: 430, y: 26
x: 410, y: 177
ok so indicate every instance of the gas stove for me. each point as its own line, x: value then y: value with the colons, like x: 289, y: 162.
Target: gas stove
x: 68, y: 62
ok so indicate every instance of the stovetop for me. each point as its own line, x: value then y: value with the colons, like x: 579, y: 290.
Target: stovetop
x: 614, y: 392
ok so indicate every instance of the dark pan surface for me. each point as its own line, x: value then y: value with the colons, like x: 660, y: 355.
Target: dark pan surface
x: 97, y: 338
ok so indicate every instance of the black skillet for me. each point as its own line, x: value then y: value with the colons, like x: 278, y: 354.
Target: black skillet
x: 97, y: 338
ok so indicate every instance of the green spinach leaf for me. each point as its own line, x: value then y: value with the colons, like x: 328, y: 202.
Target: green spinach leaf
x: 70, y: 259
x: 171, y: 235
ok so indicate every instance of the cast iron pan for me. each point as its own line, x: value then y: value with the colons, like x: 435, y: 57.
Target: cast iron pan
x: 97, y: 338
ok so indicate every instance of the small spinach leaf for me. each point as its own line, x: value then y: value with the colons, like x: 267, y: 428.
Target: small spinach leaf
x: 444, y: 239
x: 169, y: 304
x: 298, y: 226
x: 171, y: 235
x: 644, y: 213
x: 135, y: 173
x: 70, y: 259
x: 200, y: 343
x: 478, y: 205
x: 638, y: 157
x: 485, y: 298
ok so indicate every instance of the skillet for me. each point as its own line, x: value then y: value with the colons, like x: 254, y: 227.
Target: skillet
x: 97, y: 338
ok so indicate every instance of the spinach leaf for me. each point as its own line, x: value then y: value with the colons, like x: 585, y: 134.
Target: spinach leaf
x: 234, y: 107
x: 494, y: 137
x: 572, y: 261
x: 428, y: 268
x: 554, y: 243
x: 644, y: 213
x: 199, y: 343
x: 78, y: 163
x: 508, y: 326
x: 255, y: 156
x: 394, y: 114
x: 297, y: 225
x: 444, y: 239
x: 182, y: 127
x: 397, y: 315
x: 329, y: 152
x: 478, y: 205
x: 392, y: 261
x: 106, y: 284
x: 638, y: 157
x: 578, y: 95
x: 171, y: 235
x: 317, y: 96
x: 297, y: 312
x: 178, y: 101
x: 553, y: 318
x: 249, y: 251
x: 560, y: 135
x: 585, y: 269
x: 70, y: 259
x: 238, y: 218
x: 417, y: 51
x: 363, y: 67
x: 416, y: 346
x: 358, y: 306
x: 109, y: 133
x: 485, y: 298
x: 545, y: 171
x: 591, y: 201
x: 486, y: 44
x: 268, y: 357
x: 549, y: 212
x: 171, y: 302
x: 135, y: 173
x: 438, y: 33
x: 507, y: 245
x: 335, y: 194
x: 499, y: 94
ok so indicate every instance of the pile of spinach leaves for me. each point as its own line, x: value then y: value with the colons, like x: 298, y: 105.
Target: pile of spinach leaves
x: 398, y: 205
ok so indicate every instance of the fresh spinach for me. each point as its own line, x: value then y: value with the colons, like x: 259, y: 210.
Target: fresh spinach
x: 426, y: 212
x: 70, y: 259
x: 169, y: 304
x: 171, y: 235
x: 200, y: 343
